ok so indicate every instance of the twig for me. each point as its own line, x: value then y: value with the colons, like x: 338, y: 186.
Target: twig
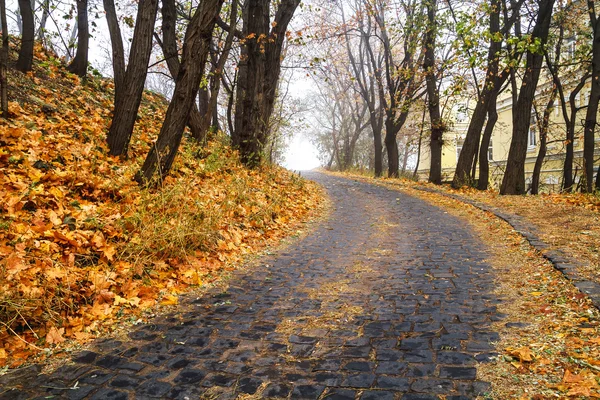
x: 20, y: 338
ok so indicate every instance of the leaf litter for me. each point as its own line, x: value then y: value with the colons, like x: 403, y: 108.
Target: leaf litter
x: 550, y: 331
x: 83, y: 249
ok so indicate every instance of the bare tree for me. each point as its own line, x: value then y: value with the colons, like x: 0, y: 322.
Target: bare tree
x: 195, y: 53
x: 513, y: 181
x: 79, y: 64
x: 25, y: 61
x: 129, y: 95
x: 259, y: 69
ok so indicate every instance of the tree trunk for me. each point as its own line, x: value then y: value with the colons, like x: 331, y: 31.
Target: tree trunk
x: 195, y: 53
x: 171, y: 54
x: 116, y: 42
x: 41, y: 31
x: 3, y: 61
x: 214, y: 87
x: 484, y: 164
x: 80, y: 63
x: 544, y: 126
x: 514, y: 176
x: 259, y: 69
x: 433, y: 105
x: 471, y: 143
x: 391, y: 146
x: 25, y: 61
x: 592, y: 109
x: 129, y: 95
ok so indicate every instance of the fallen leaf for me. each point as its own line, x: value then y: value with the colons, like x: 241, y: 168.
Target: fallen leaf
x: 54, y: 335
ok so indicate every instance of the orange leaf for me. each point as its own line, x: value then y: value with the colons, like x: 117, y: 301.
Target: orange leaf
x: 55, y: 335
x: 524, y: 354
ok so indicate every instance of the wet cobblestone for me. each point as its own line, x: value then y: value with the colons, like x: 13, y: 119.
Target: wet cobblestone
x: 389, y: 298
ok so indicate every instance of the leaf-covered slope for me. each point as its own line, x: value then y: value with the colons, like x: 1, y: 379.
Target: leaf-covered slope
x: 81, y: 244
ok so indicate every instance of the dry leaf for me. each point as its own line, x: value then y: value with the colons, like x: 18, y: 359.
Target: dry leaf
x: 54, y: 335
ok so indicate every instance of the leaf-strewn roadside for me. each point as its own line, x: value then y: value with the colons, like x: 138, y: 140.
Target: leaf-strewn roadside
x: 81, y: 245
x: 549, y: 343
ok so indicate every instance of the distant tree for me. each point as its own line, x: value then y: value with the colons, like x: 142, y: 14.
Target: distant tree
x: 195, y: 53
x: 79, y: 64
x: 129, y: 94
x: 513, y: 181
x: 367, y: 76
x: 3, y: 61
x: 25, y: 61
x: 259, y: 70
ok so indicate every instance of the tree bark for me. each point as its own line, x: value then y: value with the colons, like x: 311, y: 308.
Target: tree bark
x: 129, y: 96
x: 437, y: 125
x: 513, y: 181
x: 171, y: 54
x: 484, y: 164
x: 592, y: 109
x: 195, y: 53
x: 259, y: 70
x: 539, y: 161
x: 25, y: 61
x: 41, y: 31
x: 215, y: 79
x: 3, y: 61
x: 116, y: 42
x: 472, y: 138
x: 80, y: 63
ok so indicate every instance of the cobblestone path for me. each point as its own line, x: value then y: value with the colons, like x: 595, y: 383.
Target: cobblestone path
x: 387, y: 299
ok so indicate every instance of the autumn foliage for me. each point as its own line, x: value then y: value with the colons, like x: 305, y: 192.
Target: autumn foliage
x: 81, y: 244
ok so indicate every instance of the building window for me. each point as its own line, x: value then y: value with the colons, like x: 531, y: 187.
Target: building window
x: 462, y: 112
x: 531, y: 137
x: 490, y: 152
x: 570, y: 45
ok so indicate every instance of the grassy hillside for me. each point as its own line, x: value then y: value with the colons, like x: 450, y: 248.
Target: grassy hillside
x: 82, y: 246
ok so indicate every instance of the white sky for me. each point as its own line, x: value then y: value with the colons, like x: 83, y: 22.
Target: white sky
x: 301, y: 155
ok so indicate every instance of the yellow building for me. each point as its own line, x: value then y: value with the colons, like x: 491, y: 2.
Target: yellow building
x: 458, y: 118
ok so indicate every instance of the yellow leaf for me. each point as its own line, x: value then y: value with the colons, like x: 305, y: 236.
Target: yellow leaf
x: 524, y: 354
x: 56, y: 192
x: 169, y: 300
x: 536, y: 293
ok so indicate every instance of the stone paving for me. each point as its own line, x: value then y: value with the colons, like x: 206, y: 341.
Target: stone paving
x: 389, y: 298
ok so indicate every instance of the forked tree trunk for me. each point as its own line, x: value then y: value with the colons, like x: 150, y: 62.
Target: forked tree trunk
x: 215, y: 79
x: 80, y: 63
x: 471, y: 143
x: 129, y: 96
x: 195, y: 53
x: 513, y: 181
x: 3, y: 61
x: 116, y: 42
x: 25, y: 61
x: 259, y: 69
x: 484, y: 164
x: 171, y: 54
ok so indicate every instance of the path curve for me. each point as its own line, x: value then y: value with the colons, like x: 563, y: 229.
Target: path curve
x: 389, y: 298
